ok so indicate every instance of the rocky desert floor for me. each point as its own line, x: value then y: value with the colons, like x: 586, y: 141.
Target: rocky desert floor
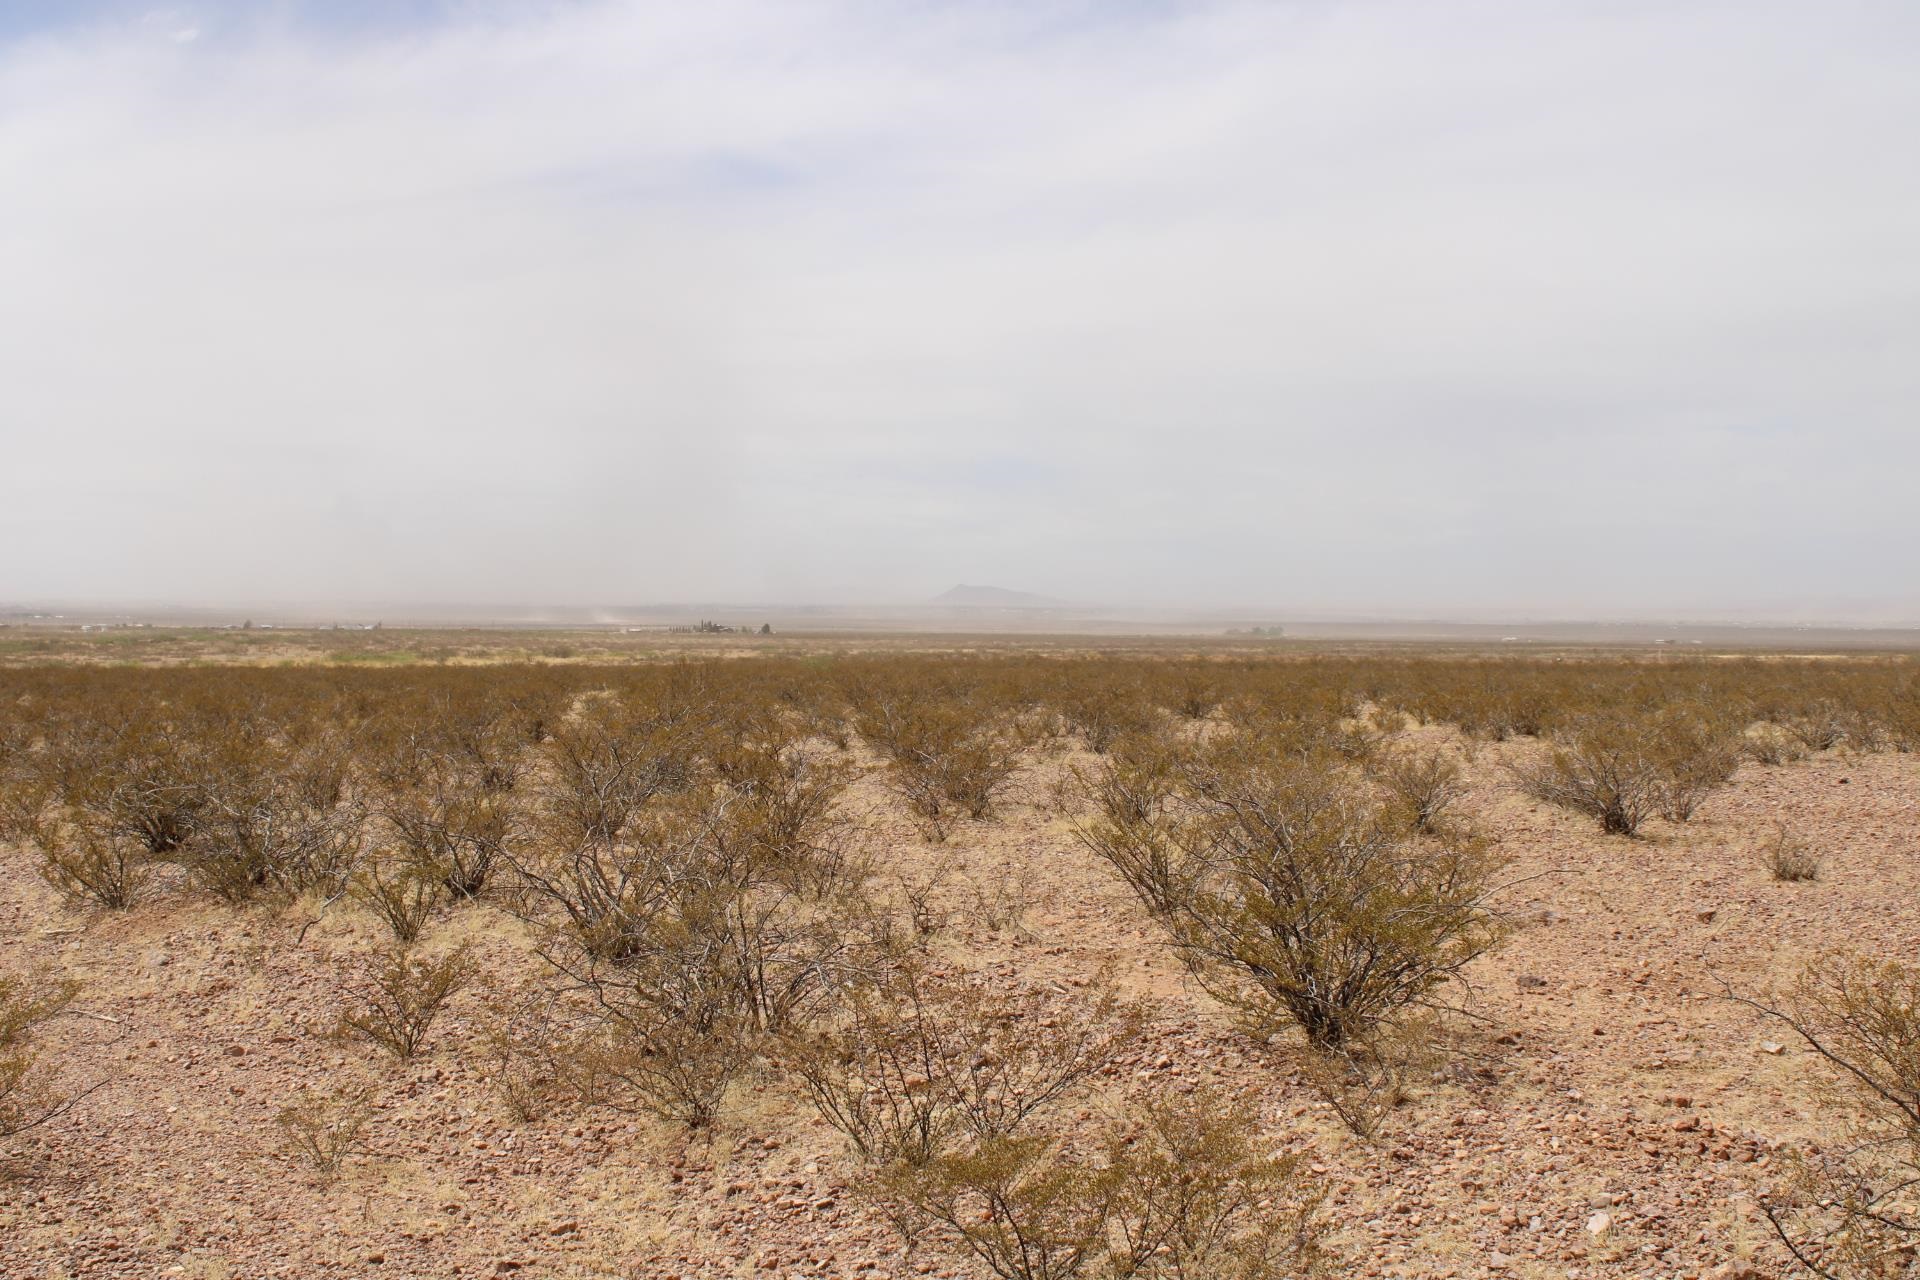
x: 1608, y: 1112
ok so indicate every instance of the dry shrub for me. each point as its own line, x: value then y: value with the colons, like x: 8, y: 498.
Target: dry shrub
x: 322, y: 1129
x: 1018, y: 1205
x: 1002, y: 902
x: 1132, y: 825
x: 948, y: 759
x: 524, y: 1049
x: 686, y: 941
x: 453, y: 837
x: 1900, y: 713
x: 1695, y: 752
x: 1424, y: 784
x: 27, y: 1003
x: 148, y: 794
x: 608, y: 763
x: 920, y: 895
x: 1102, y: 708
x: 1852, y: 1209
x: 1191, y: 1192
x: 686, y: 918
x: 1293, y: 895
x: 89, y: 864
x: 401, y: 896
x: 1195, y: 692
x: 782, y: 799
x: 564, y: 1046
x: 1822, y: 726
x: 911, y: 1063
x: 1770, y: 744
x: 666, y: 1069
x: 1366, y: 1081
x: 1199, y: 1193
x: 1605, y: 767
x: 398, y: 997
x: 614, y: 890
x: 270, y: 837
x: 1787, y: 855
x: 484, y: 739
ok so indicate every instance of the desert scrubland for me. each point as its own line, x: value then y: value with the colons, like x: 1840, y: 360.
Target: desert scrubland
x: 1195, y: 962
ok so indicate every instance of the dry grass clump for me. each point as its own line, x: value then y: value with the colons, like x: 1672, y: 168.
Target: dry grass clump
x: 1787, y: 855
x: 1852, y: 1207
x: 1289, y: 889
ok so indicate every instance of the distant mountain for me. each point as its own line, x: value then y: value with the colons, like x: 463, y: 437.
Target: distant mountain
x: 966, y: 597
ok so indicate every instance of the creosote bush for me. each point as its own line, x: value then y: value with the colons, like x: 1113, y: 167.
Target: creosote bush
x: 1291, y: 892
x: 1850, y: 1208
x: 400, y: 895
x: 28, y: 1002
x: 947, y: 758
x: 1624, y: 768
x: 1191, y: 1192
x: 322, y: 1129
x: 399, y: 995
x: 452, y: 836
x: 1425, y: 785
x: 91, y: 865
x: 909, y: 1063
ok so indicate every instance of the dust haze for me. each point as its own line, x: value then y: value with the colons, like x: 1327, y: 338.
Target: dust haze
x: 1366, y: 309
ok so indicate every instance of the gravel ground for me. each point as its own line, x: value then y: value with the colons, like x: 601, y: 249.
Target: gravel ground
x: 1609, y: 1114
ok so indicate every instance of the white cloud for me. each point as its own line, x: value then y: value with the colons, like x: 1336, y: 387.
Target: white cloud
x: 1578, y: 307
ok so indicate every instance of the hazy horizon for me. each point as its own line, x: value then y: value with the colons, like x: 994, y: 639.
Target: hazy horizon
x: 1360, y: 309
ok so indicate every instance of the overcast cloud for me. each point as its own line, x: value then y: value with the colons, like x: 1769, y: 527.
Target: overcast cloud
x: 1575, y: 308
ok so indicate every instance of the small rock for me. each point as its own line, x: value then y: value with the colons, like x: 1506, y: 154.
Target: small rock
x: 1599, y: 1224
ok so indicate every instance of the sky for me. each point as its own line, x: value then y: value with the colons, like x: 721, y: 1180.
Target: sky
x: 1331, y: 306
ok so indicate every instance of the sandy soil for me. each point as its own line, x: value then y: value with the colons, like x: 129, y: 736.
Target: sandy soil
x: 1609, y: 1075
